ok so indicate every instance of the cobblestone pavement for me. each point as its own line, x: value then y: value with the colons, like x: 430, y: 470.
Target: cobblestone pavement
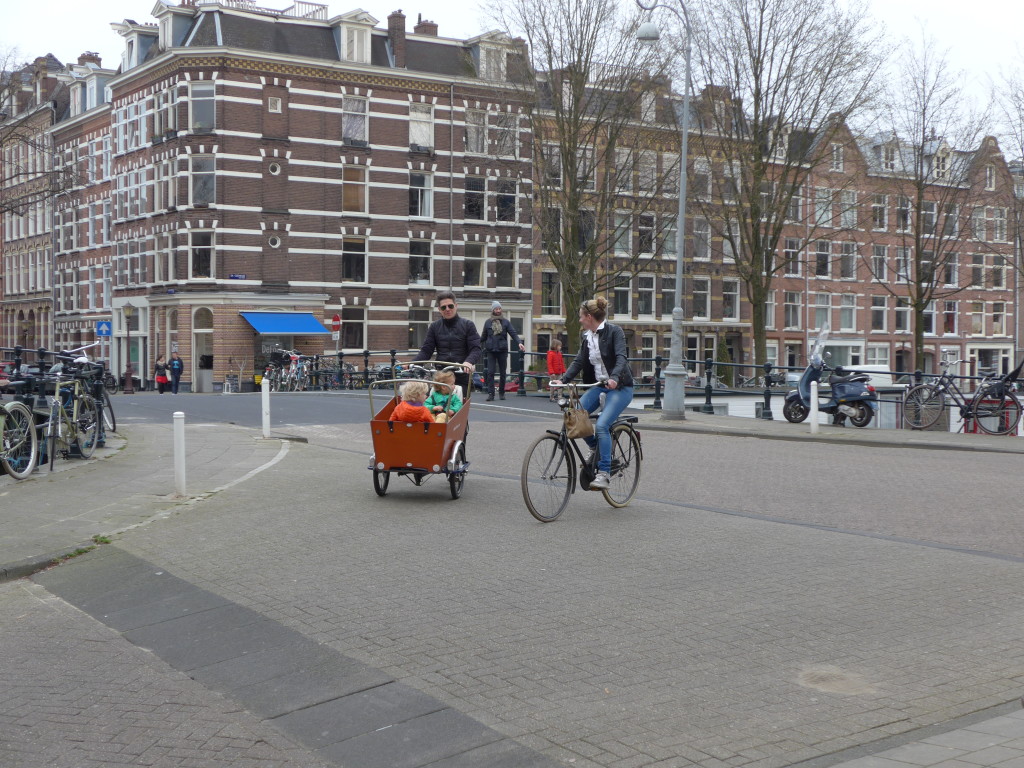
x: 764, y: 603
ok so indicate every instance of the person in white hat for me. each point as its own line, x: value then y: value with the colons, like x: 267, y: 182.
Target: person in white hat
x: 494, y: 339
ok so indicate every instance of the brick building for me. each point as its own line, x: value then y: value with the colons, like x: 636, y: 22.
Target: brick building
x: 247, y: 160
x: 30, y: 100
x: 240, y: 160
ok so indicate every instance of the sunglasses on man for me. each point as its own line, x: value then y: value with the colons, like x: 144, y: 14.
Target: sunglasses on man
x: 446, y: 307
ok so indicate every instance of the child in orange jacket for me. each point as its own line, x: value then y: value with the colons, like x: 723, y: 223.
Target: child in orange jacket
x: 413, y: 394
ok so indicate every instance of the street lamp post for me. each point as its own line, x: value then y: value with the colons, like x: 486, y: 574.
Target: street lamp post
x: 129, y: 386
x: 674, y: 401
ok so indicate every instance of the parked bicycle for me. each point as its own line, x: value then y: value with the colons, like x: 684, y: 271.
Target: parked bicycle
x: 993, y: 407
x: 554, y: 463
x: 19, y: 442
x: 74, y: 421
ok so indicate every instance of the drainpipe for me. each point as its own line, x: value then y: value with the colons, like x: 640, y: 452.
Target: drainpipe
x: 53, y: 233
x: 451, y: 183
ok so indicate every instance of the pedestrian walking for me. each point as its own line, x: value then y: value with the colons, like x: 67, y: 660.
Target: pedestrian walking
x: 495, y: 337
x: 177, y: 367
x: 160, y: 374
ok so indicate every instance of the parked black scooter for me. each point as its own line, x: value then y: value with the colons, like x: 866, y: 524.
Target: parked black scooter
x: 851, y: 395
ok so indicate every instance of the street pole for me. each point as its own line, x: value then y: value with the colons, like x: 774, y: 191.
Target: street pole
x: 674, y: 400
x: 129, y: 385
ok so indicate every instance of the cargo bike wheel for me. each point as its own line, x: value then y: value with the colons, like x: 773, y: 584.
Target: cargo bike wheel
x: 457, y: 478
x: 381, y: 479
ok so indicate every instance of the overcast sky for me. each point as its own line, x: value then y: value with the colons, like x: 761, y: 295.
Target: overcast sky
x: 983, y: 36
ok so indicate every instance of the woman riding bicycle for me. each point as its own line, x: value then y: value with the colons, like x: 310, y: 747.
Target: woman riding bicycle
x: 602, y: 357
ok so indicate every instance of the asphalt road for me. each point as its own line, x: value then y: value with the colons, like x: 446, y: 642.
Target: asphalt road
x: 760, y: 603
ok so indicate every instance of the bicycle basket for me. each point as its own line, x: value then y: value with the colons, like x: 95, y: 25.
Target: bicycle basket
x: 279, y: 358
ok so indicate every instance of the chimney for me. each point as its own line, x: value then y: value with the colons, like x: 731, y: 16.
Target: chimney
x: 425, y: 27
x: 90, y: 57
x: 396, y: 35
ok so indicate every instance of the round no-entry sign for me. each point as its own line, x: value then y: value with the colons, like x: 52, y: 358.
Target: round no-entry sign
x: 336, y: 323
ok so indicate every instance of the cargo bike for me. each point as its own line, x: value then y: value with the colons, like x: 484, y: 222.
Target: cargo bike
x: 418, y: 450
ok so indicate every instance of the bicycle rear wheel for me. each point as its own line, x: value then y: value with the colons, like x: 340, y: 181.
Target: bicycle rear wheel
x: 547, y: 478
x: 625, y: 472
x: 88, y: 426
x: 997, y: 417
x: 922, y: 406
x: 19, y: 452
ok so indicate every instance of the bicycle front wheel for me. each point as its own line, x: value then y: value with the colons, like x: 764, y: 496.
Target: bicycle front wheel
x: 19, y: 453
x: 547, y: 477
x: 625, y: 472
x: 110, y: 383
x: 997, y: 416
x: 88, y: 426
x: 922, y: 406
x: 109, y: 420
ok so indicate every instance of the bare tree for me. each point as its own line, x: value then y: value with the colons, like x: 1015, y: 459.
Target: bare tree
x: 602, y: 142
x: 935, y: 157
x: 1010, y: 100
x: 29, y: 177
x: 783, y: 79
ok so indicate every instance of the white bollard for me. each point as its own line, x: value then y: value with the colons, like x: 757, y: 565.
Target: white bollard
x: 265, y: 400
x: 179, y: 453
x: 813, y: 415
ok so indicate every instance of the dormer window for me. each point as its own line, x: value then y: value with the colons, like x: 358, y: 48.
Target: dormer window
x: 76, y: 99
x: 887, y: 155
x: 356, y: 44
x: 492, y: 63
x: 941, y: 165
x: 128, y: 58
x: 165, y: 33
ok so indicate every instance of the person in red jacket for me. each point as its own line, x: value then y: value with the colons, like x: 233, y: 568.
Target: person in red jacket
x: 556, y: 363
x: 413, y: 394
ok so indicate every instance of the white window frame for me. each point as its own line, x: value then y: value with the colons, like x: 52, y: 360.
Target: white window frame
x: 847, y: 312
x: 197, y: 176
x: 879, y: 310
x: 475, y: 252
x: 423, y: 194
x: 731, y: 290
x: 355, y: 117
x: 353, y: 188
x: 421, y: 125
x: 355, y: 44
x: 476, y: 132
x: 702, y: 288
x: 194, y: 101
x: 193, y: 273
x: 645, y: 287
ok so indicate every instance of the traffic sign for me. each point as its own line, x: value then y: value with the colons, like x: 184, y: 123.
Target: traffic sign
x: 336, y: 323
x: 103, y: 328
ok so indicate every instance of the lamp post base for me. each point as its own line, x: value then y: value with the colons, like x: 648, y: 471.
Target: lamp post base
x: 129, y: 383
x: 673, y: 403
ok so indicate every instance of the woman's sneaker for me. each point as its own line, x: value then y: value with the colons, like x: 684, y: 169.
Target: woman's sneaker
x: 601, y: 481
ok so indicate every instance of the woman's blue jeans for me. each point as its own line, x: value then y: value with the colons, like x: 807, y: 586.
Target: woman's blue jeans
x: 615, y: 403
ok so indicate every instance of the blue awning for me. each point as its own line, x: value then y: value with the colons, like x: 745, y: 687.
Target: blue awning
x: 284, y: 323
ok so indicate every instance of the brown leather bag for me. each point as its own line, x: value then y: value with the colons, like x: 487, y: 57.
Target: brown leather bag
x: 578, y: 423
